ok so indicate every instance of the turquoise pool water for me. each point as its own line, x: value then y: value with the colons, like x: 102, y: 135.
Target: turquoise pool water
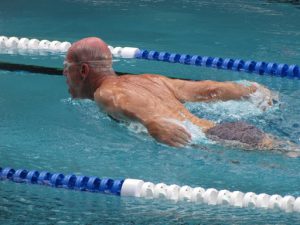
x: 41, y: 128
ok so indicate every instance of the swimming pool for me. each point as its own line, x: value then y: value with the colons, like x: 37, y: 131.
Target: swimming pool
x: 42, y: 129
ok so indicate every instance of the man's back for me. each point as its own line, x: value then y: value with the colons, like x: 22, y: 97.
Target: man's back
x: 140, y: 97
x: 149, y: 99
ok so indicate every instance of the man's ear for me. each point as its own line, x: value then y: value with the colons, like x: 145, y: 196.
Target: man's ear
x: 84, y: 70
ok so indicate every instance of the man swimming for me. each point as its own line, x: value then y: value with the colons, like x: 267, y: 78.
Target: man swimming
x: 154, y: 100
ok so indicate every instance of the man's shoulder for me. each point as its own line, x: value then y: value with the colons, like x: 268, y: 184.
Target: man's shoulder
x: 122, y: 81
x: 106, y: 90
x: 110, y: 89
x: 124, y: 85
x: 141, y: 76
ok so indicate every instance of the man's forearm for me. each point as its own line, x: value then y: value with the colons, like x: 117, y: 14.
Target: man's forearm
x: 233, y: 91
x: 207, y: 90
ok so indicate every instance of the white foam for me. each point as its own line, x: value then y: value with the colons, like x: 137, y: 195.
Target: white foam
x: 137, y: 127
x: 263, y: 98
x: 197, y: 135
x: 86, y: 107
x: 220, y: 111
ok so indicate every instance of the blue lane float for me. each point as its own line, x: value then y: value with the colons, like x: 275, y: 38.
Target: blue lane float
x: 139, y: 188
x: 250, y: 66
x: 59, y: 180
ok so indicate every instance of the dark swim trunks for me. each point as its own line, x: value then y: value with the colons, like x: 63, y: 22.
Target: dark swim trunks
x: 238, y: 132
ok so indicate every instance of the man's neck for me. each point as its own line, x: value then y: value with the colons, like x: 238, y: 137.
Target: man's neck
x: 97, y: 81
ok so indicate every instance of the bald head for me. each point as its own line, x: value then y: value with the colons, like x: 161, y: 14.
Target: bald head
x: 88, y: 63
x: 90, y: 49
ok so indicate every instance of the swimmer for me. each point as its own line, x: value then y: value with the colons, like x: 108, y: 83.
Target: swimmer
x: 157, y: 101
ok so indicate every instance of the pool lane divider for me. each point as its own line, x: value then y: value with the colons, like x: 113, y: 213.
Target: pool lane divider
x: 141, y: 189
x: 30, y: 68
x: 249, y: 66
x: 16, y: 67
x: 36, y: 69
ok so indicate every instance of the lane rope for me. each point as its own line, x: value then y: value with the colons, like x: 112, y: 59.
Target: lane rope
x: 141, y: 189
x: 249, y: 66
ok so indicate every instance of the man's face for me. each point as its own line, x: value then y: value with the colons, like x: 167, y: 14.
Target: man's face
x: 72, y: 73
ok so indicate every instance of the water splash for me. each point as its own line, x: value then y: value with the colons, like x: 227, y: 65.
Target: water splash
x: 136, y: 127
x: 263, y: 98
x: 86, y: 107
x: 198, y: 136
x: 260, y: 102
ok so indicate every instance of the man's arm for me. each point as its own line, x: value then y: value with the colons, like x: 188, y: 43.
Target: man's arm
x: 208, y: 90
x: 168, y: 131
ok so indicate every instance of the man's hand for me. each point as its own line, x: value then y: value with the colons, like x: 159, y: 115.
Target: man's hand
x: 169, y: 131
x: 263, y: 98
